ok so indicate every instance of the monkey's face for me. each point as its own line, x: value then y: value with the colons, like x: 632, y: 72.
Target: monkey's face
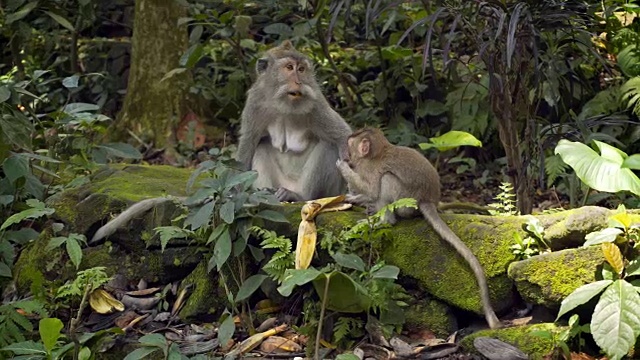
x: 294, y: 81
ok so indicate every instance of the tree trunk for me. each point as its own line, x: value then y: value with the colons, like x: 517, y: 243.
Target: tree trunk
x: 153, y: 108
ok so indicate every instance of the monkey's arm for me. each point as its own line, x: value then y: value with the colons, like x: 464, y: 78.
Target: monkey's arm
x: 251, y: 131
x: 358, y: 184
x: 329, y: 126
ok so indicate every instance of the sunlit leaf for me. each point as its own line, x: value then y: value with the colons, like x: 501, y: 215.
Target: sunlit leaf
x: 601, y: 236
x: 122, y: 150
x: 613, y: 256
x: 24, y: 11
x: 451, y: 140
x: 615, y: 324
x: 632, y: 162
x: 601, y: 172
x: 49, y: 329
x: 581, y: 295
x: 386, y: 272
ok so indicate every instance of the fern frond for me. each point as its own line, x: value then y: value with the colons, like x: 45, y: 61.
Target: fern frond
x: 554, y: 167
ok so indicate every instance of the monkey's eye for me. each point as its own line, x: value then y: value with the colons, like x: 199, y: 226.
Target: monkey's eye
x: 290, y: 67
x: 301, y: 69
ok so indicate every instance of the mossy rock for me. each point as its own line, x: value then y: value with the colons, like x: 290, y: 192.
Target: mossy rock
x: 522, y: 337
x: 547, y: 279
x: 112, y: 189
x: 567, y: 229
x: 422, y: 255
x: 432, y: 315
x: 207, y: 296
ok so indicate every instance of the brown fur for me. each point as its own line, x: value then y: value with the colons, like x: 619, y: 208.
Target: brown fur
x: 379, y: 173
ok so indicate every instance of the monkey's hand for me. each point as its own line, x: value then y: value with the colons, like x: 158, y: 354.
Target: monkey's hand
x: 344, y: 167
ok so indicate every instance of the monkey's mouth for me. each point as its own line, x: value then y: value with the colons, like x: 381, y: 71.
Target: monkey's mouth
x: 294, y: 94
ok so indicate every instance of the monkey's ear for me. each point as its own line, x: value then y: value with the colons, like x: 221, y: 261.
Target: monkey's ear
x: 261, y: 65
x: 286, y: 45
x: 364, y: 147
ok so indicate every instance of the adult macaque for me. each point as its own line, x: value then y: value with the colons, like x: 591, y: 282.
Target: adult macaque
x: 288, y: 133
x: 379, y: 173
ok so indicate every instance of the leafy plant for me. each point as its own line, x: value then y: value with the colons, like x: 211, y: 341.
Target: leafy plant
x: 14, y: 324
x: 609, y: 171
x: 152, y: 343
x: 282, y: 259
x: 506, y: 203
x: 72, y: 244
x: 617, y: 292
x: 572, y: 334
x: 533, y: 243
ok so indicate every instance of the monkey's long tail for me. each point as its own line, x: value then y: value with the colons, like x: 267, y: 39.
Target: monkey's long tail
x: 430, y: 213
x: 132, y: 212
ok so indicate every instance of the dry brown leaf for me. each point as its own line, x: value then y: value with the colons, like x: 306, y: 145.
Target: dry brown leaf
x: 279, y: 344
x: 143, y: 292
x: 306, y: 246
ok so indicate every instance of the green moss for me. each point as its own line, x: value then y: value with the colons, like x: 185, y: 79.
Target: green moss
x: 431, y: 315
x: 422, y: 255
x: 114, y: 187
x: 206, y: 296
x: 549, y: 278
x: 523, y: 338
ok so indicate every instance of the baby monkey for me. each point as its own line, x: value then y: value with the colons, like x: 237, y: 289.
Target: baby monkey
x: 379, y: 173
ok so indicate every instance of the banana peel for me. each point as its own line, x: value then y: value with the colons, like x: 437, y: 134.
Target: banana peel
x: 307, y: 232
x: 103, y: 303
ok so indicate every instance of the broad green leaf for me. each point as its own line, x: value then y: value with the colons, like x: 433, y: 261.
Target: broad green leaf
x: 71, y: 82
x: 431, y: 107
x: 202, y: 217
x: 32, y: 213
x: 222, y: 249
x: 344, y: 294
x: 347, y: 357
x: 351, y: 261
x: 141, y: 353
x: 247, y: 177
x: 192, y: 56
x: 633, y: 268
x: 55, y: 242
x: 5, y: 94
x: 26, y: 348
x: 16, y: 130
x: 75, y: 108
x: 615, y: 324
x: 602, y: 236
x: 60, y: 20
x: 293, y: 278
x: 632, y: 162
x: 84, y: 354
x: 281, y: 29
x: 386, y: 272
x: 49, y: 329
x: 121, y: 150
x: 156, y: 340
x: 227, y: 212
x: 451, y: 140
x: 272, y: 215
x: 5, y: 270
x: 74, y: 251
x: 15, y: 167
x: 24, y: 11
x: 215, y: 234
x: 581, y: 295
x: 242, y: 23
x: 226, y: 329
x: 601, y: 172
x: 249, y: 286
